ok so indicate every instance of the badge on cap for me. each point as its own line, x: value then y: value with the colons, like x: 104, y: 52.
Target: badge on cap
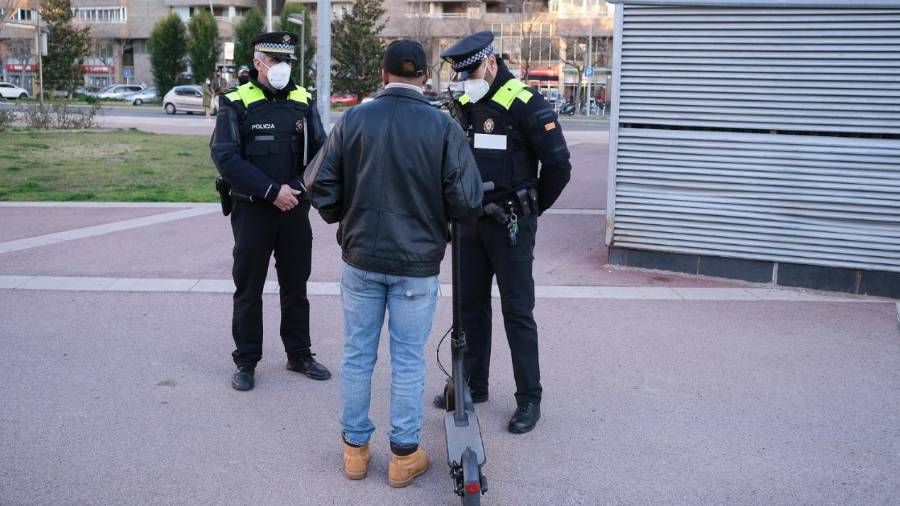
x: 286, y: 39
x: 488, y: 125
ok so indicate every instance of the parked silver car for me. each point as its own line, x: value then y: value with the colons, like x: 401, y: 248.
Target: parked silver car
x: 145, y: 96
x: 185, y: 98
x: 118, y: 91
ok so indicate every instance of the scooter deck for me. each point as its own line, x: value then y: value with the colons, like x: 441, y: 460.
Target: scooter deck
x: 460, y: 438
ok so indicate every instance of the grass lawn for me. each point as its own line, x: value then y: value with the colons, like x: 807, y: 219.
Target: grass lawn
x: 105, y: 166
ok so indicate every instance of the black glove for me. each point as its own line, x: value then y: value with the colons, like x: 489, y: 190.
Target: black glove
x: 224, y: 195
x: 297, y: 184
x: 495, y: 211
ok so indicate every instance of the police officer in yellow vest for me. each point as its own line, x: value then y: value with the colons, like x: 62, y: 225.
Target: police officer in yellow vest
x: 512, y: 130
x: 266, y: 131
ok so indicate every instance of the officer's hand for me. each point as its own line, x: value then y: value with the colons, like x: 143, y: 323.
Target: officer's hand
x: 286, y: 199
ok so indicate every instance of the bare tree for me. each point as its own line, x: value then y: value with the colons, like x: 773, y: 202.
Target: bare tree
x: 8, y: 9
x: 102, y: 51
x: 23, y: 51
x: 574, y: 54
x: 472, y: 24
x: 533, y: 43
x: 421, y: 29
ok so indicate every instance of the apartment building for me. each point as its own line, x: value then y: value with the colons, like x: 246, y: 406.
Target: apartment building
x: 544, y: 41
x: 120, y: 30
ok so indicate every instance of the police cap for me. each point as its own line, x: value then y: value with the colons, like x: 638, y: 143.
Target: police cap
x: 467, y: 54
x: 279, y: 45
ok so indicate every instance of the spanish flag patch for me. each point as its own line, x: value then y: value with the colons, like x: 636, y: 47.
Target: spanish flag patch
x: 549, y: 126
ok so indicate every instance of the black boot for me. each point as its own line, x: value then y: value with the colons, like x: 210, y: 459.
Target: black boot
x: 243, y: 379
x: 441, y: 403
x: 308, y: 366
x: 525, y: 418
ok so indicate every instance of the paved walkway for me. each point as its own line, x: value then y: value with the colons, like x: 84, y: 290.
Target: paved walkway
x: 659, y: 388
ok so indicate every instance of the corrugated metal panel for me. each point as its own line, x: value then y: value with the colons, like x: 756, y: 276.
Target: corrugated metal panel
x: 786, y: 69
x: 712, y: 151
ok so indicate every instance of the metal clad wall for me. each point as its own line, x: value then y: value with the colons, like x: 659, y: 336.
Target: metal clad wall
x: 764, y: 133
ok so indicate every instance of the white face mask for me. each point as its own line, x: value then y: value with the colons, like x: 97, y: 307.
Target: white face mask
x: 279, y: 74
x: 476, y: 89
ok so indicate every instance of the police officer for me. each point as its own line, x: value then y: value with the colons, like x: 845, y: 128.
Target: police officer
x: 511, y: 129
x: 266, y: 131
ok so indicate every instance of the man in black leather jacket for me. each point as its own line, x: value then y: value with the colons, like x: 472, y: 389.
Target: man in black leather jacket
x: 393, y: 173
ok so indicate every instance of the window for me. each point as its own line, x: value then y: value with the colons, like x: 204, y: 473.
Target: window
x: 101, y: 14
x: 186, y: 91
x: 26, y: 15
x: 454, y: 9
x: 579, y: 8
x: 218, y: 11
x: 339, y: 10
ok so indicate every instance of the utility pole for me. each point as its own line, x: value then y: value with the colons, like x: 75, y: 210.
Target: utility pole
x: 323, y: 67
x: 301, y: 22
x: 40, y: 53
x: 268, y: 15
x: 590, y: 63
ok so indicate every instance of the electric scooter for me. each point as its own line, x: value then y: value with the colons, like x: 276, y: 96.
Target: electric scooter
x: 465, y: 447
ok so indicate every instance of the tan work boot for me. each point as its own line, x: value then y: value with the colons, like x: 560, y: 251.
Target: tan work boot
x: 356, y: 461
x: 403, y: 470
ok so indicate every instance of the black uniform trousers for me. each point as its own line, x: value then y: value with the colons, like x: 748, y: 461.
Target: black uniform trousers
x: 485, y: 251
x: 259, y: 230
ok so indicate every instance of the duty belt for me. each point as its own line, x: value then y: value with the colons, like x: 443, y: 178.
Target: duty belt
x: 520, y: 205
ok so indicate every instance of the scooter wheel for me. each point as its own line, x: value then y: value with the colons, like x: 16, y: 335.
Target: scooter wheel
x: 471, y: 479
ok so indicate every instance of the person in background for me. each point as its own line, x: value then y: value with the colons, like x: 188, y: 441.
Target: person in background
x: 207, y: 98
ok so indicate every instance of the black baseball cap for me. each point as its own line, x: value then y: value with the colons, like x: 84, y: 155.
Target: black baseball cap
x: 405, y: 58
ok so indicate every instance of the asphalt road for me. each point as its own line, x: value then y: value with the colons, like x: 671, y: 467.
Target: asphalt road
x: 154, y: 117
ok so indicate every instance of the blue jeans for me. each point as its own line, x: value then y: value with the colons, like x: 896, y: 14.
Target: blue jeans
x: 410, y: 301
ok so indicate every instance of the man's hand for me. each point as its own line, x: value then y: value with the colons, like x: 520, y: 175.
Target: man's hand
x: 287, y: 198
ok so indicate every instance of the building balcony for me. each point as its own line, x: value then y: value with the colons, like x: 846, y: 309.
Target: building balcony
x: 218, y: 3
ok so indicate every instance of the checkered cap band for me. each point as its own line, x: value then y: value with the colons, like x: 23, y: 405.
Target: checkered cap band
x: 269, y: 47
x: 480, y: 55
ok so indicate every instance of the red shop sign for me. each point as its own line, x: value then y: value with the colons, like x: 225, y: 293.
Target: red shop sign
x: 17, y: 67
x: 99, y: 69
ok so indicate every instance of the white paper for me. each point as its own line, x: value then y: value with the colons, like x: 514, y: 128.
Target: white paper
x: 485, y: 141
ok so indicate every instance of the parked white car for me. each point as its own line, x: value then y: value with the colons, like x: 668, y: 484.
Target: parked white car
x: 185, y: 98
x: 11, y: 91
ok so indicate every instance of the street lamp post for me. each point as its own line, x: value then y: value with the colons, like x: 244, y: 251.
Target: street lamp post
x: 323, y: 66
x: 590, y: 63
x: 302, y: 25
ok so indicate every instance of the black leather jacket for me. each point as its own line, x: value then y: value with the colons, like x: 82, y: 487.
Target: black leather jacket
x: 393, y: 172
